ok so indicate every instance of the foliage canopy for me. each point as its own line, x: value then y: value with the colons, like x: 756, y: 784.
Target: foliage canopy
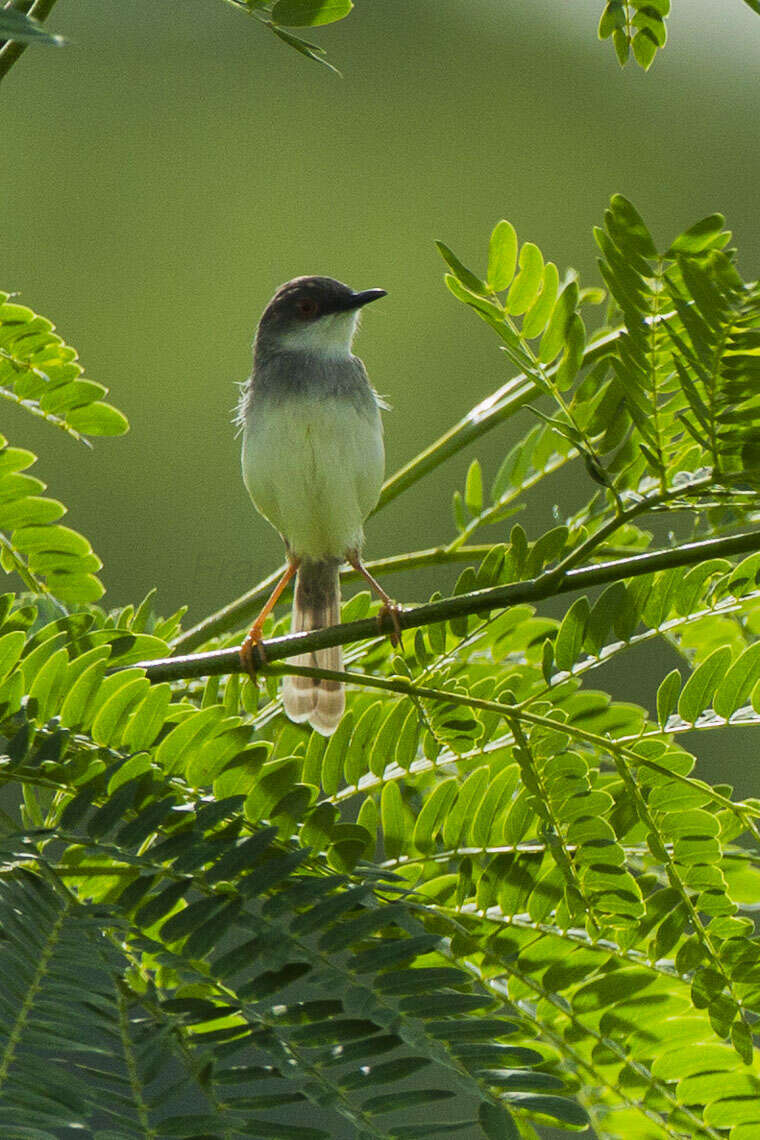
x: 494, y: 883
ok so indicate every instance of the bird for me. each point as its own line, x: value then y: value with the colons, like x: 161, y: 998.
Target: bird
x: 313, y: 463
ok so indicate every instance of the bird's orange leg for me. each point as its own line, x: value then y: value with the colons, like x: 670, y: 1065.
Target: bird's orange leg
x: 251, y: 647
x: 393, y: 609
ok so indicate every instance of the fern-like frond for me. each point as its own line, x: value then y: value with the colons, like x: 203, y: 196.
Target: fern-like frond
x: 42, y: 374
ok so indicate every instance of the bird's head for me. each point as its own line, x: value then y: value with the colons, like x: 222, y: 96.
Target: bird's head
x: 317, y: 315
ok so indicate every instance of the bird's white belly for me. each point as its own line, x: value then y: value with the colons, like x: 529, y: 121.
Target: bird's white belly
x: 314, y: 469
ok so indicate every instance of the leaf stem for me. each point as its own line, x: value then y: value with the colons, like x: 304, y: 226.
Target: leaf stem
x: 14, y: 1033
x: 135, y: 1083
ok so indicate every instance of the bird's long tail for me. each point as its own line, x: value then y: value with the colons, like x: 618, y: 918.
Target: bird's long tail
x: 316, y: 603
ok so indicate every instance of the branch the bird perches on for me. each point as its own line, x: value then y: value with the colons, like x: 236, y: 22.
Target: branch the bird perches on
x: 551, y: 582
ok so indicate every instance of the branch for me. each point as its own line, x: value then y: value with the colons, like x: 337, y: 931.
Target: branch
x: 485, y: 416
x: 244, y: 608
x: 551, y: 583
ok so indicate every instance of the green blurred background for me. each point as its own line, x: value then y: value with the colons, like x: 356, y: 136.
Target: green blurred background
x: 162, y: 174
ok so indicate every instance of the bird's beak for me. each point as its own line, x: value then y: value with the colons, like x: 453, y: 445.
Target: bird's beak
x: 364, y: 298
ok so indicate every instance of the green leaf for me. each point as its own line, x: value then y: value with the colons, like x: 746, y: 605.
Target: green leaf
x: 496, y: 1122
x: 42, y: 374
x: 108, y: 725
x: 148, y: 718
x: 11, y: 645
x: 17, y: 25
x: 522, y: 1079
x: 546, y: 549
x: 276, y: 779
x: 59, y: 538
x: 83, y: 684
x: 434, y: 811
x: 75, y: 588
x: 408, y: 738
x: 557, y: 1107
x: 483, y: 829
x: 392, y: 818
x: 384, y: 1073
x: 667, y: 696
x: 71, y: 395
x: 490, y: 312
x: 14, y: 459
x: 388, y: 953
x: 310, y: 13
x: 304, y: 47
x: 534, y: 321
x: 270, y: 1130
x: 629, y: 223
x: 569, y: 641
x: 502, y: 254
x: 612, y: 19
x: 741, y: 1034
x: 699, y: 237
x: 553, y: 339
x: 524, y: 289
x: 645, y: 46
x: 360, y: 748
x: 175, y: 749
x: 459, y: 817
x: 336, y: 754
x: 31, y: 510
x: 383, y: 748
x: 572, y: 357
x: 700, y: 688
x: 737, y: 684
x: 650, y: 20
x: 461, y: 272
x: 98, y: 419
x: 422, y: 1131
x: 48, y: 684
x: 473, y: 495
x: 413, y: 1098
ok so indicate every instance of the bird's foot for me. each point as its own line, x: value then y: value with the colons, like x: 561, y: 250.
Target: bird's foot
x: 252, y: 655
x: 393, y: 611
x: 389, y: 608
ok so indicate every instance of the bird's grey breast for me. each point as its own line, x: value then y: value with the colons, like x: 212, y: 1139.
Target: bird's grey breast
x: 281, y: 377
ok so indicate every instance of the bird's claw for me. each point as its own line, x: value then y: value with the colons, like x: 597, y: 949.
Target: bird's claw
x: 393, y: 611
x: 252, y: 655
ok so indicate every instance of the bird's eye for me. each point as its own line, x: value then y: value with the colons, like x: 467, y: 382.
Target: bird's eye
x: 307, y: 307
